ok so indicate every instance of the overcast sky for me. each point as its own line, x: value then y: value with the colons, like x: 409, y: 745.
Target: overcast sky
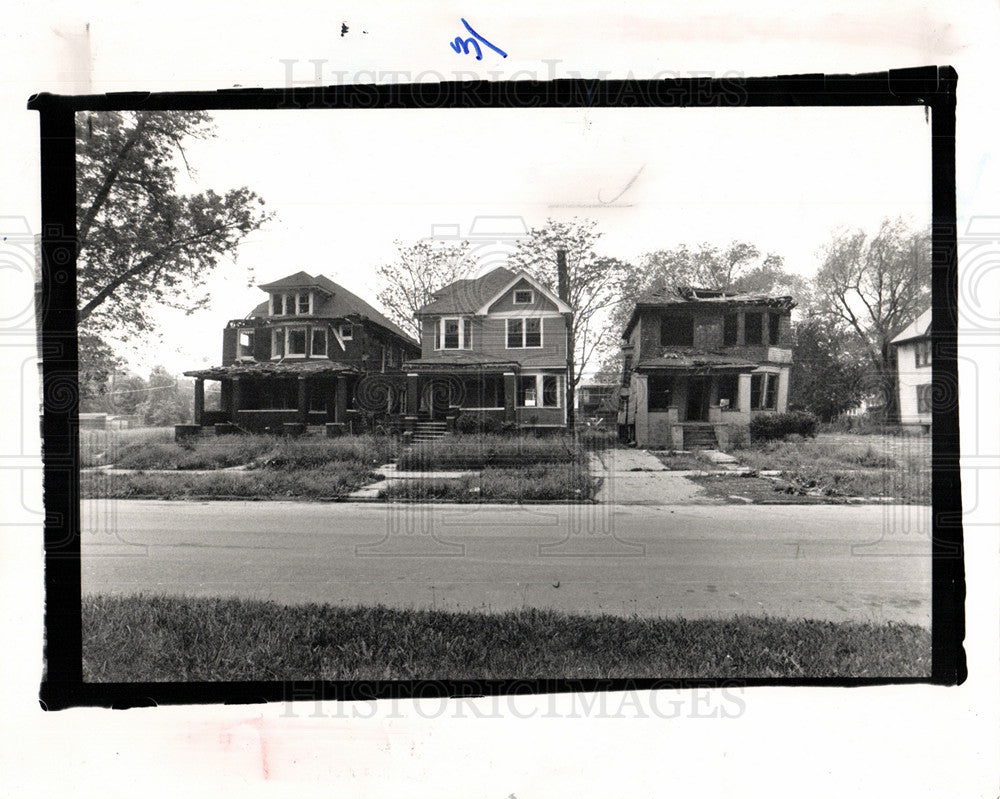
x: 345, y: 184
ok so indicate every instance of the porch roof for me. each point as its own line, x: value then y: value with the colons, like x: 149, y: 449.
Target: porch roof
x: 458, y: 360
x: 316, y: 368
x: 693, y: 361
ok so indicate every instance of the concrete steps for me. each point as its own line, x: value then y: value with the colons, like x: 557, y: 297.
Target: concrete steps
x: 699, y: 436
x: 429, y: 431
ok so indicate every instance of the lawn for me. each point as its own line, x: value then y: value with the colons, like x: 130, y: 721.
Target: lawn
x: 456, y: 452
x: 842, y: 466
x: 538, y: 482
x: 158, y: 638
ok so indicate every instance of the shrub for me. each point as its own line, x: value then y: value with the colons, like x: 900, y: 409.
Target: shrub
x: 479, y: 451
x: 775, y: 426
x: 472, y: 422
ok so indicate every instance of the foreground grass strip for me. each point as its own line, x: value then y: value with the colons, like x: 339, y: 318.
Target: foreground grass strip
x: 479, y: 451
x: 159, y: 638
x: 541, y: 482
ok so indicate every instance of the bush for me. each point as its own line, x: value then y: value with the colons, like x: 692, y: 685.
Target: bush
x: 471, y: 422
x: 776, y: 426
x: 479, y: 451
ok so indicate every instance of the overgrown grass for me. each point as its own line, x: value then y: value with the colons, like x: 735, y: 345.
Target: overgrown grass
x: 218, y: 452
x: 846, y: 470
x: 98, y: 447
x: 480, y: 451
x: 684, y: 461
x: 156, y: 638
x: 320, y: 482
x: 530, y: 484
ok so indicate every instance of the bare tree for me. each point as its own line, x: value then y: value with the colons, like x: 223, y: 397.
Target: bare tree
x: 419, y: 270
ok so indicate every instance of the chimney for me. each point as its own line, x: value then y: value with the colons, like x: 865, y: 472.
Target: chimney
x: 563, y: 273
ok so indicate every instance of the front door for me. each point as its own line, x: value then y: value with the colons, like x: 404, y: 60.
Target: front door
x: 697, y: 400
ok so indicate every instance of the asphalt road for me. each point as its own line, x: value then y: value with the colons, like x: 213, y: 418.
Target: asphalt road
x: 866, y: 563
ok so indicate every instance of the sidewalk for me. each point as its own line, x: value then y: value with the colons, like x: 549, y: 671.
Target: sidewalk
x: 634, y: 477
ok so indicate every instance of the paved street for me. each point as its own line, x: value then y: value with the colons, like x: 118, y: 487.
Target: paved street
x: 832, y: 562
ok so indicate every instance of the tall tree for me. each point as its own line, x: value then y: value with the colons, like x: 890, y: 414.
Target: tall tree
x: 873, y: 285
x: 828, y: 376
x: 140, y: 242
x: 592, y: 288
x: 418, y: 271
x: 165, y: 402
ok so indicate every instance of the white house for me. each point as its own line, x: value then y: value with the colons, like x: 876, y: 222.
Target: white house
x: 913, y: 378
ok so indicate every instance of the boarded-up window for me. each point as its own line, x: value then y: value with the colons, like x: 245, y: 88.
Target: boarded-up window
x: 753, y: 326
x: 661, y: 389
x: 677, y: 331
x: 773, y: 327
x: 729, y: 327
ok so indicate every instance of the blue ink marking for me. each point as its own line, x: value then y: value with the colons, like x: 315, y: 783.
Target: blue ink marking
x: 462, y: 45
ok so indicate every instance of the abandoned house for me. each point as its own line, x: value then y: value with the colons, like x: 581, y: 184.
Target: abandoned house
x: 298, y: 357
x: 699, y: 363
x: 914, y: 347
x: 495, y: 345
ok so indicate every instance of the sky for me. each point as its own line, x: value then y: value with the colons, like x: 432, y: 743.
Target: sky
x: 344, y: 185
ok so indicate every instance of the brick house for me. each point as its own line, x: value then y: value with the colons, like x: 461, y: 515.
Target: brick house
x: 913, y: 348
x: 699, y: 363
x: 299, y: 357
x: 495, y: 345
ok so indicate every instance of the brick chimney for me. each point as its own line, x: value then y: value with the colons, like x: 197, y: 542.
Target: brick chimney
x: 563, y: 272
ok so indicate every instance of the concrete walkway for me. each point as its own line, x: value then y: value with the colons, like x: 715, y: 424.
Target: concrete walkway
x: 390, y: 473
x: 634, y: 477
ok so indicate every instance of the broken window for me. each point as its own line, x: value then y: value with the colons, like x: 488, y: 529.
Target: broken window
x: 753, y: 327
x: 524, y: 297
x: 304, y: 303
x: 245, y: 344
x: 677, y: 331
x: 526, y: 391
x: 661, y: 390
x: 729, y: 328
x: 771, y: 392
x: 756, y: 390
x: 729, y: 392
x: 774, y: 328
x: 278, y: 344
x: 318, y: 341
x: 297, y: 341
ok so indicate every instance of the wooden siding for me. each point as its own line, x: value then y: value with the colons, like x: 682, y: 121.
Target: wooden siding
x: 910, y: 377
x: 505, y: 304
x: 489, y: 336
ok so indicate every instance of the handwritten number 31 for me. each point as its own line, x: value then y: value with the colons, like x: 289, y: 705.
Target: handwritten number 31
x: 461, y: 45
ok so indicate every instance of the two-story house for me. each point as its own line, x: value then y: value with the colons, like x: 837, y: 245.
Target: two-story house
x: 297, y: 357
x: 913, y: 373
x: 495, y: 345
x: 698, y: 363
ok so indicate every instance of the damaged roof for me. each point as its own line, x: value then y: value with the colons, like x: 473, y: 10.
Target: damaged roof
x: 283, y: 368
x: 692, y: 359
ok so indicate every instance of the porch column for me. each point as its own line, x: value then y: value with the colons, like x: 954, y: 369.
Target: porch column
x: 199, y: 399
x: 303, y: 399
x: 509, y: 395
x: 641, y: 400
x: 237, y: 399
x: 745, y: 394
x: 340, y: 400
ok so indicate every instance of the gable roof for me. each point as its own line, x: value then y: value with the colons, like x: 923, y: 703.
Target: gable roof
x: 918, y: 328
x: 337, y: 303
x: 476, y: 295
x: 691, y: 297
x: 469, y: 294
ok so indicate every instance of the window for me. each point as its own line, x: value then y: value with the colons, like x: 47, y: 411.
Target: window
x: 245, y: 347
x: 626, y: 370
x: 318, y: 341
x: 467, y: 334
x: 277, y: 304
x: 449, y: 334
x: 526, y: 391
x: 925, y: 398
x: 764, y: 392
x: 661, y: 389
x: 773, y: 327
x: 524, y: 297
x: 922, y: 353
x: 515, y: 333
x: 347, y: 332
x: 278, y: 344
x: 523, y: 333
x: 771, y: 392
x: 550, y: 391
x: 304, y: 303
x: 729, y: 327
x: 677, y: 331
x: 753, y: 327
x: 297, y: 341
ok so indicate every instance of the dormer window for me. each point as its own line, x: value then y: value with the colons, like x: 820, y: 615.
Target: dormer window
x: 277, y: 305
x: 524, y: 297
x: 347, y: 331
x: 304, y: 305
